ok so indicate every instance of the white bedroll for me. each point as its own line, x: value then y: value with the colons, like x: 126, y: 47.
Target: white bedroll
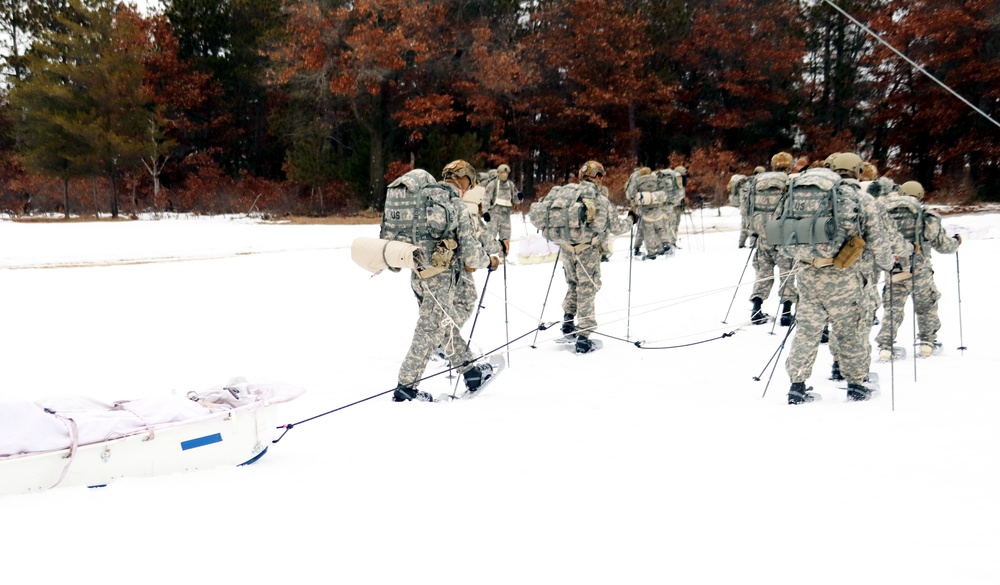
x: 77, y: 442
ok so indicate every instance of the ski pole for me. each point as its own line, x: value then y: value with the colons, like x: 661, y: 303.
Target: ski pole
x: 777, y: 359
x: 482, y: 296
x: 506, y: 316
x: 759, y: 376
x: 628, y: 320
x: 892, y: 361
x: 913, y: 300
x: 958, y: 275
x: 740, y: 283
x: 555, y: 263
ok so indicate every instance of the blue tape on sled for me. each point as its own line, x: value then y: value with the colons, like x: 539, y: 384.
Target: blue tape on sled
x: 201, y: 441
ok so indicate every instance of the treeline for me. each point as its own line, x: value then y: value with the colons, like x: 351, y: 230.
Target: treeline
x: 311, y: 106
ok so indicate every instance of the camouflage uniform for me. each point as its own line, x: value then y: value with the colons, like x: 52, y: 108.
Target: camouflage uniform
x: 582, y: 265
x: 869, y: 269
x: 501, y: 197
x: 766, y: 258
x: 466, y: 295
x: 739, y: 192
x: 838, y: 296
x: 439, y: 317
x: 921, y: 285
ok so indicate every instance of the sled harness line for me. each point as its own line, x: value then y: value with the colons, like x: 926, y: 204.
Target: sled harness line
x: 290, y: 426
x: 640, y: 346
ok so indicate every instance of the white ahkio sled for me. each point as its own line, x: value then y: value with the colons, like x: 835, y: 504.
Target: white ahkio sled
x: 72, y: 441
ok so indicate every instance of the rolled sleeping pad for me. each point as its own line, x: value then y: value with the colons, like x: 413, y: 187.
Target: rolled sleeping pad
x: 375, y: 255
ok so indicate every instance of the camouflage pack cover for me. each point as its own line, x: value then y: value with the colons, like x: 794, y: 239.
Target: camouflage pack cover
x: 419, y: 211
x: 562, y: 215
x: 766, y: 190
x: 815, y: 218
x: 908, y: 214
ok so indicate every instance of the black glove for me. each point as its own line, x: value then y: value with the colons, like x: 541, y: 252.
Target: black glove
x: 633, y: 216
x: 486, y: 217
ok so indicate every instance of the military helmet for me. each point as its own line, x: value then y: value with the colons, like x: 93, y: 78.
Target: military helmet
x: 782, y: 162
x: 758, y: 170
x: 828, y: 163
x: 503, y: 169
x: 913, y: 189
x: 848, y: 162
x: 459, y: 168
x: 645, y: 171
x: 681, y: 170
x: 869, y: 172
x: 591, y: 169
x: 733, y: 181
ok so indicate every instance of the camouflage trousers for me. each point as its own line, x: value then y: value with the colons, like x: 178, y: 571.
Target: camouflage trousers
x: 672, y: 223
x: 764, y: 261
x: 840, y: 298
x: 438, y: 323
x: 583, y: 280
x: 925, y: 303
x: 500, y: 221
x: 654, y: 231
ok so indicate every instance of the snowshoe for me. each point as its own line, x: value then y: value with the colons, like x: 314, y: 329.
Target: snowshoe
x: 858, y: 392
x: 406, y: 394
x: 926, y: 349
x: 895, y: 354
x: 799, y: 394
x: 481, y: 374
x: 586, y: 345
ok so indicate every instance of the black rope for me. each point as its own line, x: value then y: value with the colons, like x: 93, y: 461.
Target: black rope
x: 290, y: 426
x: 640, y: 346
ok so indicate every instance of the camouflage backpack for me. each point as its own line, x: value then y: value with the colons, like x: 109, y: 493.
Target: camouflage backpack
x: 816, y: 217
x: 661, y: 187
x: 766, y: 190
x: 908, y: 214
x: 418, y: 210
x: 562, y: 214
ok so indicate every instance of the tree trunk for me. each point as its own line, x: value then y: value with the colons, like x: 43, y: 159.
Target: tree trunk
x: 114, y: 197
x: 66, y: 198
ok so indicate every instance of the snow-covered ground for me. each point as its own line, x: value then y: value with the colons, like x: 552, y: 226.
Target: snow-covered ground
x: 625, y: 466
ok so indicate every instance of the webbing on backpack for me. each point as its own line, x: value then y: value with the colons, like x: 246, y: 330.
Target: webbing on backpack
x: 810, y: 217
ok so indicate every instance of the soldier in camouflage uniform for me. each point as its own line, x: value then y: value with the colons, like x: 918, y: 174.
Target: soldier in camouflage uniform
x: 582, y: 260
x: 838, y: 296
x: 675, y: 212
x: 435, y: 289
x: 466, y: 296
x: 846, y: 165
x: 653, y: 227
x: 501, y: 196
x: 739, y: 189
x: 921, y: 227
x: 757, y: 210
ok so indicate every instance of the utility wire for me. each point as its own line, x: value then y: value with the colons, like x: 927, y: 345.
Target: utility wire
x: 911, y: 62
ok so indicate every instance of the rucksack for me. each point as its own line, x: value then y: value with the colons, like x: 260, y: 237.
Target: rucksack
x: 418, y: 210
x: 657, y: 188
x: 562, y: 215
x: 815, y: 218
x: 908, y: 215
x: 766, y: 190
